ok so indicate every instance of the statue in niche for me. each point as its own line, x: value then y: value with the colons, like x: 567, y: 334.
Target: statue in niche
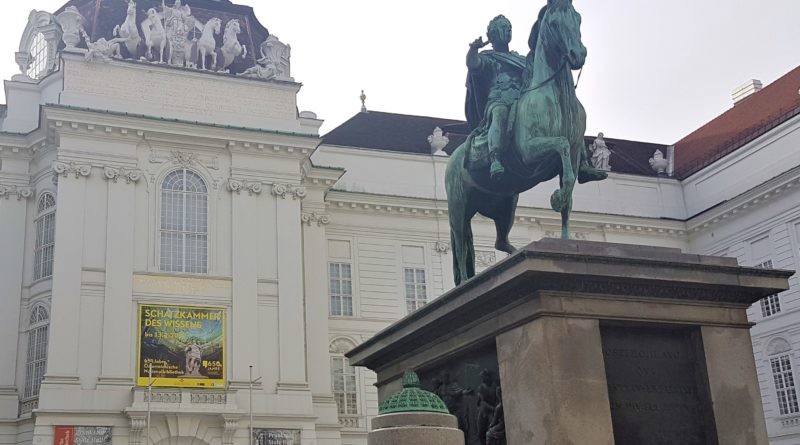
x: 487, y: 402
x: 207, y: 45
x: 496, y: 435
x: 600, y: 153
x: 231, y: 48
x: 129, y: 31
x: 155, y: 36
x: 178, y: 23
x: 102, y: 49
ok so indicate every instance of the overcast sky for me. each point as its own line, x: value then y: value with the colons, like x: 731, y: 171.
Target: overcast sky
x: 656, y: 69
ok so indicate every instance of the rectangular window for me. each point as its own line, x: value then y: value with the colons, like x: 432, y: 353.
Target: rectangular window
x: 416, y: 288
x: 344, y: 385
x: 340, y: 289
x: 770, y: 305
x: 45, y: 245
x: 784, y: 385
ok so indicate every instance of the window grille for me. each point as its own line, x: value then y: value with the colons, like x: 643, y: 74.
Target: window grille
x: 37, y: 351
x: 340, y: 288
x: 344, y: 385
x: 184, y: 223
x: 770, y: 305
x: 784, y: 384
x: 38, y: 57
x: 45, y: 237
x: 416, y: 288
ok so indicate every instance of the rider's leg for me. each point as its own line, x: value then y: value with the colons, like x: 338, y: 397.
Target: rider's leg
x: 497, y: 130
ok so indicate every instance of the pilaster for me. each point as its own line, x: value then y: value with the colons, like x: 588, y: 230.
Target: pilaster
x: 118, y: 304
x: 244, y: 313
x: 62, y: 357
x: 291, y: 319
x: 13, y: 205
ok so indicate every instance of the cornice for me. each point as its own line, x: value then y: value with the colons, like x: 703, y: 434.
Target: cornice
x: 746, y: 202
x: 340, y: 201
x: 92, y: 122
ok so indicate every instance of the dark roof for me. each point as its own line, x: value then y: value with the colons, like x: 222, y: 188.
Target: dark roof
x: 377, y: 130
x: 392, y: 132
x: 747, y: 120
x: 103, y: 15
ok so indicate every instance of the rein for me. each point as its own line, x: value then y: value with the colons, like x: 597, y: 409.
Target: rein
x: 553, y: 76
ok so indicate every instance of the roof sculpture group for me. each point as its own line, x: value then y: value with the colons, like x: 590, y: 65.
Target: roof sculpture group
x: 172, y: 35
x: 527, y: 127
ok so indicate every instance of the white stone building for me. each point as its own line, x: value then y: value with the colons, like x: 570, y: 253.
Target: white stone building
x: 126, y: 184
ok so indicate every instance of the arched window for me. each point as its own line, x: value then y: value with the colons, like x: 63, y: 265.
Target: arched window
x: 38, y: 58
x: 37, y: 351
x: 780, y: 363
x: 45, y: 237
x: 343, y: 379
x: 184, y: 223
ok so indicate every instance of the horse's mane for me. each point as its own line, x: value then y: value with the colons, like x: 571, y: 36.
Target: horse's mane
x: 533, y: 40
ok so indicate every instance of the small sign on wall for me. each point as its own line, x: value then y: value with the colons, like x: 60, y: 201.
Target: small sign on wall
x: 82, y: 435
x: 276, y: 437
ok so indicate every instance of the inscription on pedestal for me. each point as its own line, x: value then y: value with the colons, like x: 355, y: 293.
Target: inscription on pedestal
x: 657, y: 387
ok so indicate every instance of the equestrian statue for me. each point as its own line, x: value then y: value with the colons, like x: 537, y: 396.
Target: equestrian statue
x: 527, y: 127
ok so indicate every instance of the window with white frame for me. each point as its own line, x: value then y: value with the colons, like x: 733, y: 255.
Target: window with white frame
x: 340, y: 288
x: 184, y: 223
x: 416, y: 288
x: 45, y: 237
x: 38, y: 57
x: 344, y: 385
x: 770, y: 305
x: 37, y: 351
x: 783, y: 377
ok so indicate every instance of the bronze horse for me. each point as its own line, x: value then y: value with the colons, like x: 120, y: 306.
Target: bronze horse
x: 547, y: 141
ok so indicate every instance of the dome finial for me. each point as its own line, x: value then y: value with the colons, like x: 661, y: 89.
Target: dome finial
x: 412, y: 398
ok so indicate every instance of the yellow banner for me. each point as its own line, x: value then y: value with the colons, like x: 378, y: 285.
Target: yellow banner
x: 185, y: 345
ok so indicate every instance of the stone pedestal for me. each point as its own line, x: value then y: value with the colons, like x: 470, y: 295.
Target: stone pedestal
x: 415, y: 429
x: 591, y: 343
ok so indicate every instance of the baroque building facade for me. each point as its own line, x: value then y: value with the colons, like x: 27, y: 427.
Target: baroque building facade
x: 130, y: 187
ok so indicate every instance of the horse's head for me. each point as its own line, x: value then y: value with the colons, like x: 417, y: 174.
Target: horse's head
x: 132, y: 8
x: 216, y: 25
x: 564, y: 27
x: 152, y: 14
x: 233, y: 27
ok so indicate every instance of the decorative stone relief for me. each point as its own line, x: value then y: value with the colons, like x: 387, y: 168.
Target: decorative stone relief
x: 102, y: 49
x: 6, y: 191
x: 130, y: 175
x: 341, y: 346
x: 71, y: 22
x: 138, y: 425
x: 321, y: 219
x: 183, y: 158
x: 64, y: 169
x: 484, y: 259
x: 214, y: 398
x: 659, y: 163
x: 274, y: 62
x: 777, y: 346
x: 287, y: 190
x: 229, y: 429
x: 572, y: 235
x: 442, y: 248
x: 237, y: 185
x: 438, y: 141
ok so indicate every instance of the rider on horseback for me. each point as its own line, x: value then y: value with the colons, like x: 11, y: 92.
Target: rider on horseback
x: 493, y: 86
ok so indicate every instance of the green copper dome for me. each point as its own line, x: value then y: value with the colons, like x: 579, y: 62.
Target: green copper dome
x: 412, y: 399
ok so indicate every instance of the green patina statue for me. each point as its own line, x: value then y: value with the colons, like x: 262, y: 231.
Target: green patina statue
x: 527, y: 127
